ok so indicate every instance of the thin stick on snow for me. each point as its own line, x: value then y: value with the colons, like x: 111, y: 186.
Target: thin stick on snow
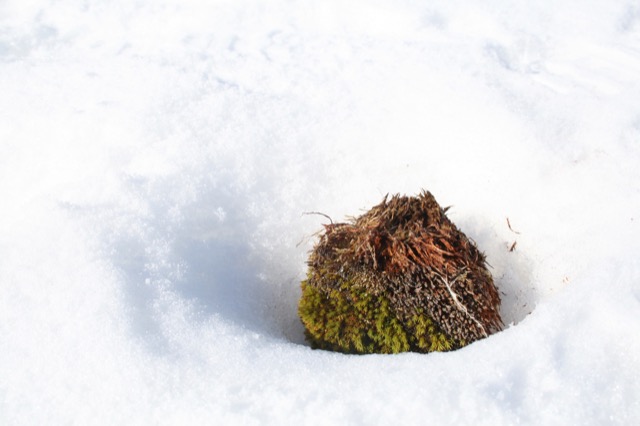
x: 318, y: 213
x: 512, y: 230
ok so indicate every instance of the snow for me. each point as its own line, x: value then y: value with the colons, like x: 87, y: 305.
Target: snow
x: 157, y: 159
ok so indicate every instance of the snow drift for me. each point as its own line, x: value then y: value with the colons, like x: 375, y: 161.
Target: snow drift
x: 156, y: 159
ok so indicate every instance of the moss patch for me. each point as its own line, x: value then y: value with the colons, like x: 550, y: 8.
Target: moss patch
x: 350, y: 320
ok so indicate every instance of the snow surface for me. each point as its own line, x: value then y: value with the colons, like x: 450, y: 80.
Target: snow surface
x: 156, y: 159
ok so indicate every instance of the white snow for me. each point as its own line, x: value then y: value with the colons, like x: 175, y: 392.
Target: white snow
x: 156, y: 159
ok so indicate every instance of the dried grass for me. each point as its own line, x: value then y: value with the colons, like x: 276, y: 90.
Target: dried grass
x: 406, y: 249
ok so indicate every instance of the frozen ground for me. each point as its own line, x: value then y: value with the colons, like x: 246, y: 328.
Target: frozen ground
x: 156, y: 158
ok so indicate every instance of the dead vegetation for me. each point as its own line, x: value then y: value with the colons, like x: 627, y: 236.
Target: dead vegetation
x: 407, y: 252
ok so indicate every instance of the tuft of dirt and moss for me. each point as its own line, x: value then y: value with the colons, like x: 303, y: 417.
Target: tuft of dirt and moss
x: 401, y: 277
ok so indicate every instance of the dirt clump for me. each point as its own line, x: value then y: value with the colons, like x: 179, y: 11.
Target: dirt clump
x: 399, y: 278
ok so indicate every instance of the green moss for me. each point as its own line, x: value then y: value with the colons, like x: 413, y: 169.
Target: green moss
x: 348, y: 319
x: 427, y: 337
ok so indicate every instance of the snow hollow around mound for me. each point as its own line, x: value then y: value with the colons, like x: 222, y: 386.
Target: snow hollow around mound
x: 156, y: 159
